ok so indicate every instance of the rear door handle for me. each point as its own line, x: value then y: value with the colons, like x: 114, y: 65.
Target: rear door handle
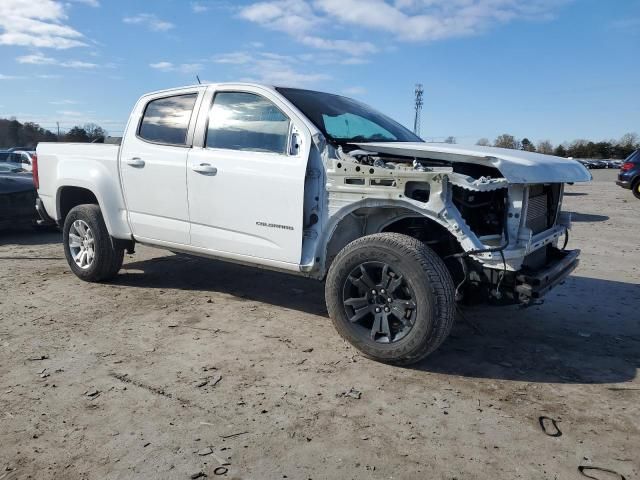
x: 205, y: 169
x: 135, y: 162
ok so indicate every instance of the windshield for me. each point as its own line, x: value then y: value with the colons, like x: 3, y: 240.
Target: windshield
x: 345, y: 120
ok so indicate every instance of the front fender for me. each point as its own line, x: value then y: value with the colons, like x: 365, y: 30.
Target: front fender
x: 397, y: 210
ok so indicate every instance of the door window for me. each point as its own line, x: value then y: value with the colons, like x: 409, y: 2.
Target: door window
x: 166, y: 120
x: 246, y: 121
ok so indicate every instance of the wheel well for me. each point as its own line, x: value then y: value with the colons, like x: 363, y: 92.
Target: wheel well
x: 429, y: 232
x: 368, y: 220
x: 70, y: 197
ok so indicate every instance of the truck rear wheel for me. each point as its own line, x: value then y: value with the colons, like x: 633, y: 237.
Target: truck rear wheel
x: 636, y: 189
x: 391, y: 297
x: 88, y: 247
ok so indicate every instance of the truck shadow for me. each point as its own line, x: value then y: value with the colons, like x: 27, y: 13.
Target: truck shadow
x: 192, y: 273
x: 588, y: 217
x: 30, y: 236
x: 586, y: 332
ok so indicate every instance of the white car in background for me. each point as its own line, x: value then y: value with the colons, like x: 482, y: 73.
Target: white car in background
x: 22, y: 157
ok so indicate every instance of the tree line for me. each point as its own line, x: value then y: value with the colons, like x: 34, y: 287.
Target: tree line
x: 616, y: 149
x: 29, y: 134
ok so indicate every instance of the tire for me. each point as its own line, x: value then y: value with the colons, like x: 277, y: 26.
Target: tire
x: 413, y: 271
x: 636, y: 189
x: 106, y: 259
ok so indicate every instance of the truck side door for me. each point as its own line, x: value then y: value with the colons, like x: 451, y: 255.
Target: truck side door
x: 246, y: 179
x: 153, y: 164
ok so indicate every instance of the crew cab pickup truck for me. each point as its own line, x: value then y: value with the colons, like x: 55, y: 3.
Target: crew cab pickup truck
x: 322, y: 186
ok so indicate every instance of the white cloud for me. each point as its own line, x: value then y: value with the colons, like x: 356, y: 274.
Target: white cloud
x: 234, y: 58
x: 149, y: 20
x: 39, y: 59
x: 8, y: 77
x: 38, y: 24
x: 404, y: 20
x: 164, y: 66
x: 297, y: 18
x: 271, y: 68
x: 427, y: 20
x: 181, y: 68
x: 348, y: 47
x: 70, y: 113
x: 64, y: 102
x: 199, y: 7
x: 91, y: 3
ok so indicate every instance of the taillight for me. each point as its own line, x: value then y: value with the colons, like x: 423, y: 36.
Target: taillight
x: 34, y: 168
x: 626, y: 166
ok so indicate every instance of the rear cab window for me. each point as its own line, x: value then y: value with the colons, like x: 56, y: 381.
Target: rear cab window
x: 166, y: 120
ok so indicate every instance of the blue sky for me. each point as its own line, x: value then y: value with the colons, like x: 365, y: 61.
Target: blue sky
x: 542, y: 69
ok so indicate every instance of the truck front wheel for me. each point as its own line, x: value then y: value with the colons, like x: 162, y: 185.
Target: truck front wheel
x: 88, y: 247
x: 391, y: 297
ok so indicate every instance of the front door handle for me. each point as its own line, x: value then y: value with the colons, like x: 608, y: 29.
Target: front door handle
x: 205, y: 169
x: 135, y: 162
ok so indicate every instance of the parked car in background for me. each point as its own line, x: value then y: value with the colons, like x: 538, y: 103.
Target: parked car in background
x: 23, y: 157
x: 590, y: 164
x: 615, y: 163
x: 629, y: 176
x: 9, y: 167
x: 17, y: 196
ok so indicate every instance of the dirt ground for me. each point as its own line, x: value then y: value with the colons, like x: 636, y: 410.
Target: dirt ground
x: 181, y: 366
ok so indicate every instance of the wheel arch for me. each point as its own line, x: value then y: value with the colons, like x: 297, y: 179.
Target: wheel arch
x: 73, y: 192
x: 69, y: 196
x: 368, y: 217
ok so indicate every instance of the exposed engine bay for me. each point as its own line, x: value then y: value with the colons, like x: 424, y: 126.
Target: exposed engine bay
x: 471, y: 215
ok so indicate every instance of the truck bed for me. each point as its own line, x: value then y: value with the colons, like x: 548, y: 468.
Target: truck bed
x: 84, y: 163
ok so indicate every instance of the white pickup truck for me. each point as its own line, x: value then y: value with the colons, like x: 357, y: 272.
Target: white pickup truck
x: 322, y: 186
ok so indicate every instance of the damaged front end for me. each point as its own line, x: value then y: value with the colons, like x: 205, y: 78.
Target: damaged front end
x: 506, y: 232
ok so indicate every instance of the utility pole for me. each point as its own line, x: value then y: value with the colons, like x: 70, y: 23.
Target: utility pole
x: 419, y: 92
x: 58, y: 125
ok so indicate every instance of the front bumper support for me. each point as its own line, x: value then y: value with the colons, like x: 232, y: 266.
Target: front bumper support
x: 534, y: 285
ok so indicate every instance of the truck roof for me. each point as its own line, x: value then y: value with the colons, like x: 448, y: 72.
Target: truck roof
x: 208, y: 84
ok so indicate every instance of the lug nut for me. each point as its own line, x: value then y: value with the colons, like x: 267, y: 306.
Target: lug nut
x: 374, y: 292
x: 377, y: 310
x: 382, y: 291
x: 386, y: 309
x: 389, y: 300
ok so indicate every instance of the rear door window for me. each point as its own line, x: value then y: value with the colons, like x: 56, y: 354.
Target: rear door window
x: 166, y: 120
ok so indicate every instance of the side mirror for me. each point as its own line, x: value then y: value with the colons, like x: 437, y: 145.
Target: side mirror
x: 294, y: 146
